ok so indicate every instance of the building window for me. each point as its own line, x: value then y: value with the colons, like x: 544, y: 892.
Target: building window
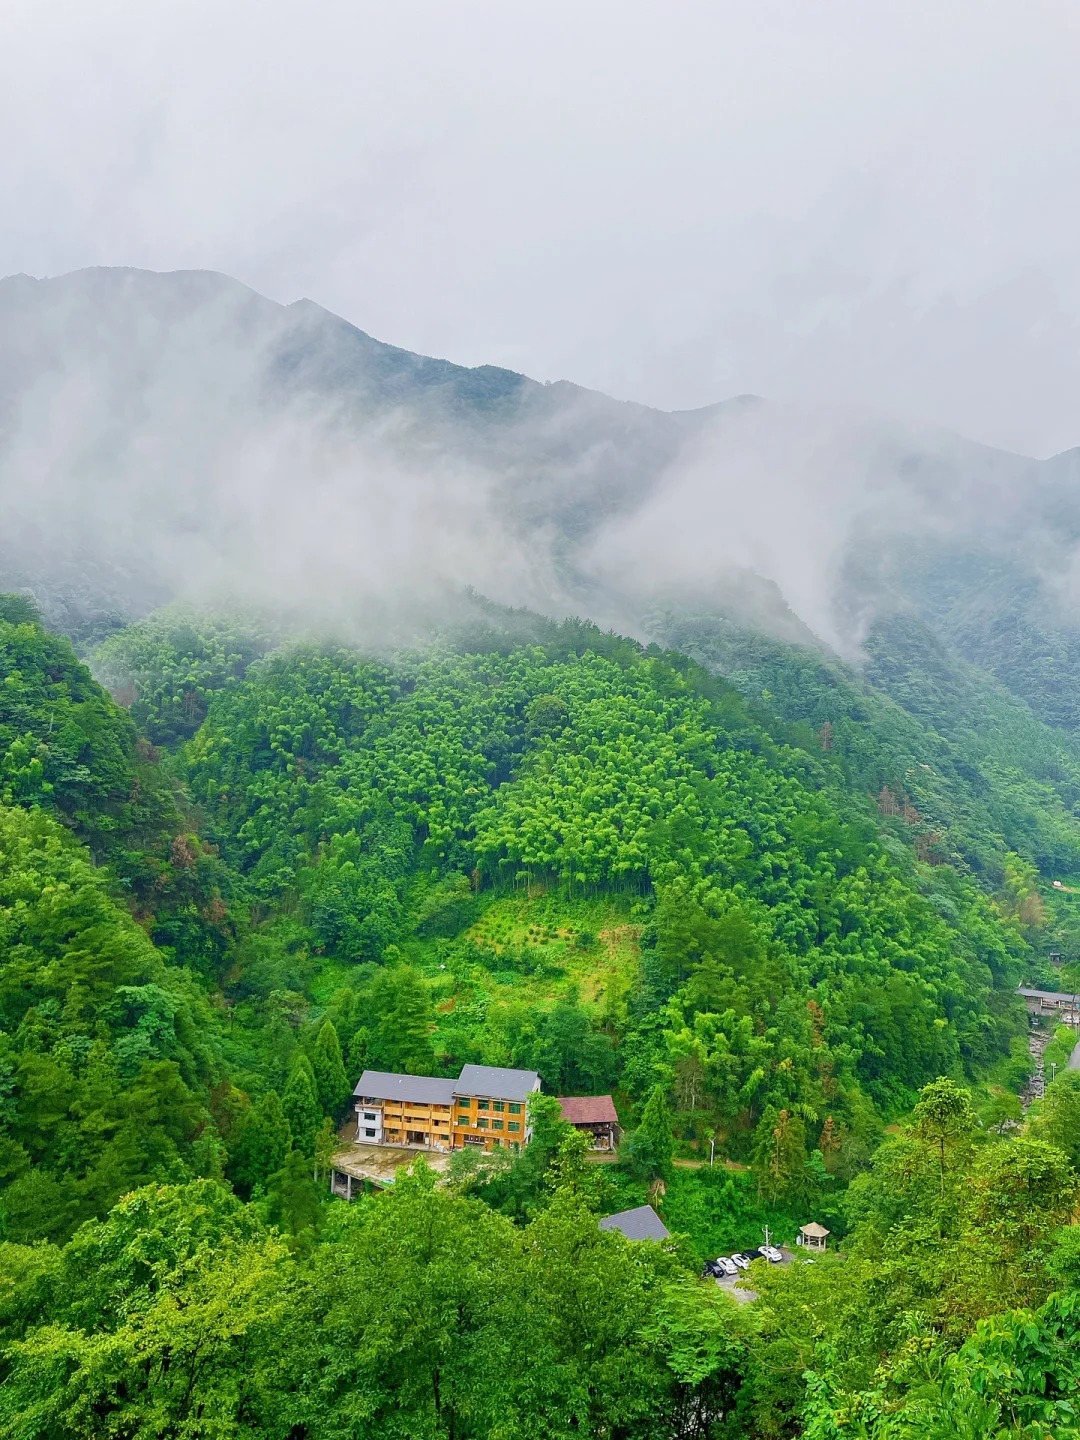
x: 481, y: 1104
x: 464, y: 1104
x: 370, y: 1134
x: 496, y: 1124
x: 369, y: 1114
x: 497, y: 1105
x: 515, y: 1109
x: 481, y: 1124
x: 515, y: 1125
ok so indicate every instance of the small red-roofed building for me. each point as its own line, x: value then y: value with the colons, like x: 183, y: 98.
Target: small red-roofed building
x: 596, y: 1115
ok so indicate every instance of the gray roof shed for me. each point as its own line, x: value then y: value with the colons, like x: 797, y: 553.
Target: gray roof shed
x: 643, y: 1223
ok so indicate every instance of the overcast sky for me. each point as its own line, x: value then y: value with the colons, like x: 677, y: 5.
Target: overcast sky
x: 868, y: 202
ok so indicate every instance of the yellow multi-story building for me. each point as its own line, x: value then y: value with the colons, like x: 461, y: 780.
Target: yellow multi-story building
x: 489, y: 1106
x: 404, y: 1110
x: 485, y: 1107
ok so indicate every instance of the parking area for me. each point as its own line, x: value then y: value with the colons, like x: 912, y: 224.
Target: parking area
x: 735, y: 1285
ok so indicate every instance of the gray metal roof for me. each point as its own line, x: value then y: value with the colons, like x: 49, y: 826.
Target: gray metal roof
x: 418, y: 1089
x: 640, y: 1224
x: 494, y: 1081
x: 1061, y: 996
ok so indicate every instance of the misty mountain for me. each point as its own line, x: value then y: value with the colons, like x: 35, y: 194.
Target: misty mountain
x: 179, y: 435
x: 167, y: 430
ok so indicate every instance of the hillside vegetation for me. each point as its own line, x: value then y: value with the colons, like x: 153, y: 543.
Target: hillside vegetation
x: 543, y: 846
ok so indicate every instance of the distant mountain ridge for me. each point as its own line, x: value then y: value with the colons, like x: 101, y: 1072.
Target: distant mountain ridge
x: 167, y: 435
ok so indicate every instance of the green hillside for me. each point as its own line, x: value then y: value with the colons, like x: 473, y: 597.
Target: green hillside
x: 543, y: 846
x: 958, y: 766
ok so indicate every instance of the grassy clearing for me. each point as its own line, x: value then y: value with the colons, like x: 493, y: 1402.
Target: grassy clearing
x: 536, y: 951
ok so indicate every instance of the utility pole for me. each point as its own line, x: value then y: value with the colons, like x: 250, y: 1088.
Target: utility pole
x: 712, y: 1152
x: 767, y: 1240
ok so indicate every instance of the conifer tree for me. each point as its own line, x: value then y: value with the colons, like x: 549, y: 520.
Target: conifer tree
x: 780, y: 1159
x: 262, y: 1141
x: 301, y: 1105
x: 292, y: 1196
x: 405, y: 1028
x: 654, y: 1144
x: 331, y: 1082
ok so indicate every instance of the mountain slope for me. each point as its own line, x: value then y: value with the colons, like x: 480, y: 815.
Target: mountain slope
x: 912, y: 716
x: 180, y: 435
x: 170, y: 434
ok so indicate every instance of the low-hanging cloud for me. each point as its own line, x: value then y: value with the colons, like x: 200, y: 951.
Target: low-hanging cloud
x: 180, y: 437
x: 164, y: 452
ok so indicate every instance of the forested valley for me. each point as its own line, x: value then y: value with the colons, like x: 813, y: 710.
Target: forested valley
x: 777, y: 907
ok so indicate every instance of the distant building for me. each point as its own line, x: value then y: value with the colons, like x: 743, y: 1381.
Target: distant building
x: 1060, y: 1004
x: 642, y: 1223
x: 595, y: 1115
x: 813, y: 1236
x: 484, y: 1107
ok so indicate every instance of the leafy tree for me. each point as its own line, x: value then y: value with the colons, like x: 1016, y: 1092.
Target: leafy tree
x: 292, y: 1198
x: 417, y: 1314
x: 1057, y: 1119
x: 945, y: 1121
x: 570, y: 1053
x: 1017, y: 1374
x: 1016, y: 1199
x: 168, y: 1312
x: 546, y: 715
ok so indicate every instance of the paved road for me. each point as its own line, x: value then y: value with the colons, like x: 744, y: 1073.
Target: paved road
x: 1074, y: 1058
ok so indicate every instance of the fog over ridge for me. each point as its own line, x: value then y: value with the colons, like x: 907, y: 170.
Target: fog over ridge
x: 184, y: 437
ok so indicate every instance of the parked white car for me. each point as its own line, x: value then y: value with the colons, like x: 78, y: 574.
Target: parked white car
x: 772, y: 1254
x: 742, y: 1261
x: 727, y: 1266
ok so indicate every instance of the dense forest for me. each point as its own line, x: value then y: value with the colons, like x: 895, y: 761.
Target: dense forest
x: 776, y: 905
